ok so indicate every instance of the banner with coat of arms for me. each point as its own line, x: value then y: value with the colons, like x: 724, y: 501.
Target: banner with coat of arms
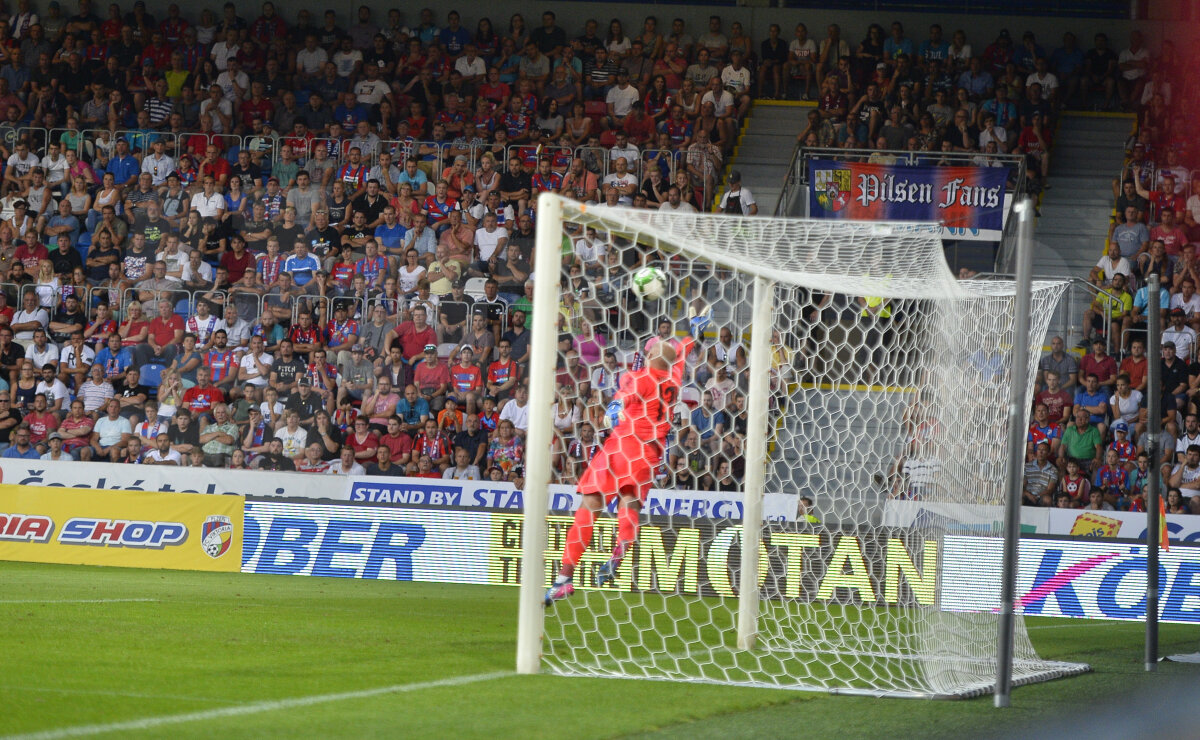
x: 133, y: 529
x: 969, y: 202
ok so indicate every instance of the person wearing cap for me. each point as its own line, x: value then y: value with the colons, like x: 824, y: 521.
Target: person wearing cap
x: 736, y: 199
x: 1182, y: 336
x: 1175, y: 377
x: 55, y: 452
x: 619, y: 100
x: 432, y: 379
x: 356, y: 373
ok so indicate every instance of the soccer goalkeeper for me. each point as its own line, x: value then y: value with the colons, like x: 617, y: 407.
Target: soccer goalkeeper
x: 624, y: 467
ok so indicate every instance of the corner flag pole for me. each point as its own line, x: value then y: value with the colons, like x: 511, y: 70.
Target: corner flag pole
x: 1154, y: 410
x: 1017, y: 404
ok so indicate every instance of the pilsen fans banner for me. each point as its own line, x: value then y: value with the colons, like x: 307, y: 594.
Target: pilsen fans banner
x: 968, y: 201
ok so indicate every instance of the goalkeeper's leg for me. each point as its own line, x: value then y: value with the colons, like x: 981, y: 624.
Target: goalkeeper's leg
x: 579, y: 536
x: 627, y: 528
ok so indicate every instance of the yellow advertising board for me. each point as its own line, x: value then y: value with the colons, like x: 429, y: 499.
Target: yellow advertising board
x: 133, y: 529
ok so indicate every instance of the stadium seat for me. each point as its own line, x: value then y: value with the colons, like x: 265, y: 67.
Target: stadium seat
x: 474, y: 287
x: 446, y: 349
x: 152, y: 376
x: 595, y: 110
x: 690, y: 395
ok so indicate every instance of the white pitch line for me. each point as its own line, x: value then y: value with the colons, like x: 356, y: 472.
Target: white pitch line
x: 148, y: 723
x: 73, y: 601
x: 122, y: 694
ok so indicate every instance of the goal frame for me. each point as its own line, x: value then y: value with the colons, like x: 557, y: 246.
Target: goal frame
x: 547, y: 270
x: 538, y: 459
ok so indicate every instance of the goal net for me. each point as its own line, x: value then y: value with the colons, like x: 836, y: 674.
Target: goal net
x: 840, y: 369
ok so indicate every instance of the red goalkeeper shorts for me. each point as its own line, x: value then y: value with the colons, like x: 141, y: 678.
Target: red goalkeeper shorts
x: 624, y: 466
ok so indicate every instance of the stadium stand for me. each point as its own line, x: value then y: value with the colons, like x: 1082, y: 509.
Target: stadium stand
x: 291, y: 244
x: 1153, y: 231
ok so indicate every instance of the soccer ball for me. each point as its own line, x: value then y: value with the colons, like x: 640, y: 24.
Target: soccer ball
x: 650, y: 283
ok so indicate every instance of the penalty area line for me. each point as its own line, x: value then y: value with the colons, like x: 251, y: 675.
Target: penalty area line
x: 254, y: 708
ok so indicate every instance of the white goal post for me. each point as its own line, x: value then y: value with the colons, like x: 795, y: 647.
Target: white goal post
x: 840, y: 362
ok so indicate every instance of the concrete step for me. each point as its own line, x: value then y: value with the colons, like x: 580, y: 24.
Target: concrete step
x: 1117, y: 125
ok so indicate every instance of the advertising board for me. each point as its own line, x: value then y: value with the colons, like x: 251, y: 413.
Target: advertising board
x: 683, y: 556
x: 1071, y: 578
x: 130, y: 529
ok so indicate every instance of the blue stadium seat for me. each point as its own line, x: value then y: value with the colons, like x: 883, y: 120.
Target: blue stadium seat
x: 152, y: 376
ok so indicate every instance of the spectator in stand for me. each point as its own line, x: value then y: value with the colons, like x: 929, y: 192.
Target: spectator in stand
x: 1082, y: 443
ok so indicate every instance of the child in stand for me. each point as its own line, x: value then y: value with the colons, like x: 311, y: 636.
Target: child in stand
x: 1125, y: 449
x: 1111, y: 478
x: 488, y: 417
x: 1075, y: 485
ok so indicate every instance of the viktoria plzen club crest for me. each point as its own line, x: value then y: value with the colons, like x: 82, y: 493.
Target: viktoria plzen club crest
x: 216, y: 535
x: 833, y: 188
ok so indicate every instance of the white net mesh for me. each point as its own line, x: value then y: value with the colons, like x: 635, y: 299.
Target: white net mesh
x: 887, y: 378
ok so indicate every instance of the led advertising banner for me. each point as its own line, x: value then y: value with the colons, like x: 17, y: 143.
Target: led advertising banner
x: 1071, y: 578
x: 130, y: 529
x: 688, y: 556
x: 385, y: 491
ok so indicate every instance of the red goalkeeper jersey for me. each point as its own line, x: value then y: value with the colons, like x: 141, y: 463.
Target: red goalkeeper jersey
x: 648, y: 397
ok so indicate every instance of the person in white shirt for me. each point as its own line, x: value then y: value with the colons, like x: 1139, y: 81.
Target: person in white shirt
x: 1112, y: 263
x: 234, y: 83
x: 1044, y: 77
x: 516, y: 410
x: 52, y: 388
x: 162, y: 454
x: 55, y: 165
x: 462, y: 468
x: 1186, y: 299
x: 20, y: 166
x: 623, y: 180
x: 736, y: 77
x: 674, y: 202
x: 209, y: 202
x: 490, y: 239
x: 802, y: 60
x: 158, y: 165
x: 347, y: 59
x: 470, y: 65
x: 41, y: 350
x: 346, y: 465
x: 311, y: 59
x: 737, y: 199
x: 623, y: 148
x: 620, y: 99
x: 1133, y: 64
x: 31, y: 316
x: 293, y: 436
x: 1181, y: 334
x: 371, y: 89
x: 724, y: 108
x: 255, y: 367
x: 590, y: 250
x: 225, y: 49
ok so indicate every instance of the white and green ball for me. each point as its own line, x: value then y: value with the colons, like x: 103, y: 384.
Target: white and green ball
x: 650, y: 283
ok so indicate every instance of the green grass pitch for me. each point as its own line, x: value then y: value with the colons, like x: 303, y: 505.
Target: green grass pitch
x: 112, y: 652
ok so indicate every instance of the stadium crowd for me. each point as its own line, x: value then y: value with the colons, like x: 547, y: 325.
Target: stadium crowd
x: 1087, y: 445
x: 298, y: 245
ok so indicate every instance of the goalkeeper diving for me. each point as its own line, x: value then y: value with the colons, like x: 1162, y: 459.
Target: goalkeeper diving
x: 624, y: 467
